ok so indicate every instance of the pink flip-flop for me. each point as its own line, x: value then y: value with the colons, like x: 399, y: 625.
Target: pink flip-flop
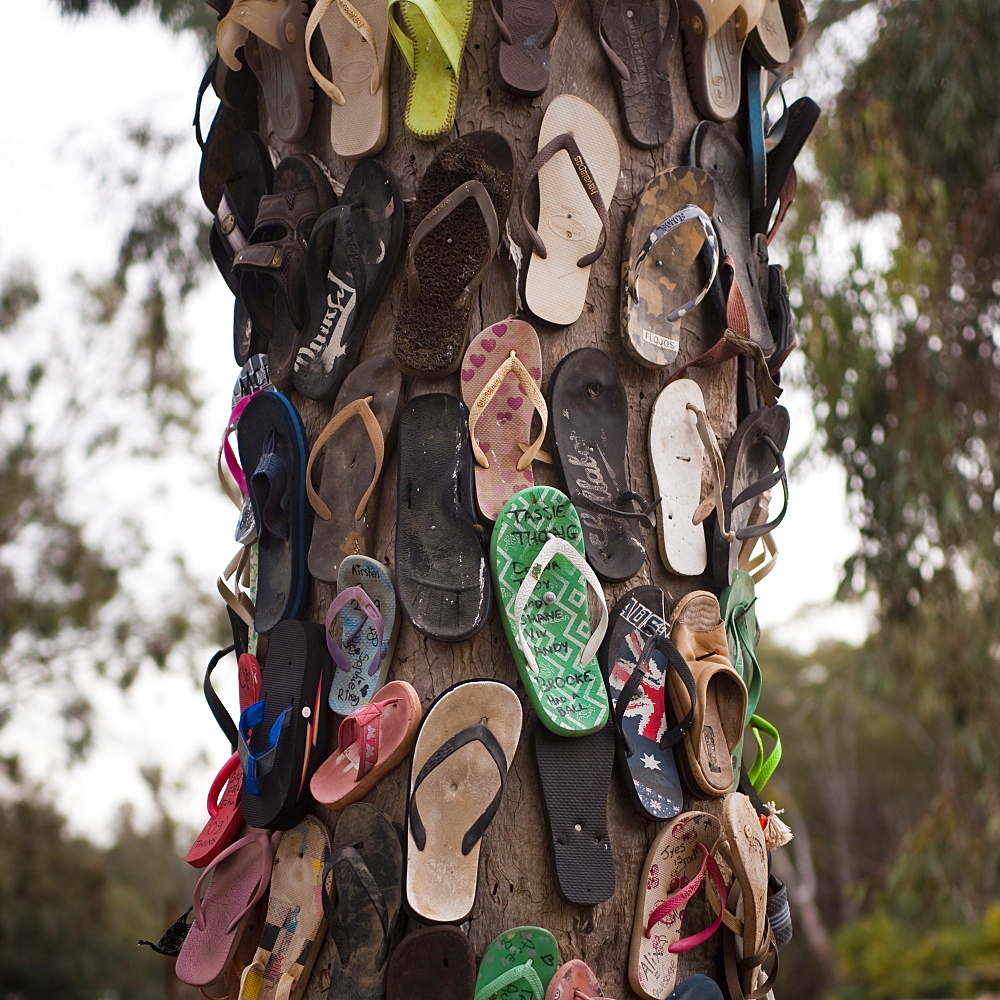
x: 242, y: 873
x: 225, y: 817
x: 501, y: 378
x: 371, y: 741
x: 574, y: 980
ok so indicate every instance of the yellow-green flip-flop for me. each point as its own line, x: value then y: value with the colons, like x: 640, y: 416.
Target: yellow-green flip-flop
x: 432, y: 45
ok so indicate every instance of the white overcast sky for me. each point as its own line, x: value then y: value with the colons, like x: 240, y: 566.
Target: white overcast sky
x: 68, y: 87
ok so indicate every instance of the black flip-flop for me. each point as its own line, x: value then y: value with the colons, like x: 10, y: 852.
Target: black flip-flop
x: 575, y: 774
x: 442, y: 580
x: 754, y: 463
x: 635, y: 657
x: 362, y: 892
x: 272, y: 446
x: 282, y: 735
x: 589, y: 419
x: 353, y: 252
x: 435, y: 963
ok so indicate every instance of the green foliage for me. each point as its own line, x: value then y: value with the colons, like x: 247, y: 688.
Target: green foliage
x: 886, y: 959
x: 178, y: 15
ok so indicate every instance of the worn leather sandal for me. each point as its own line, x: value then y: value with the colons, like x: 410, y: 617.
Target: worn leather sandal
x: 638, y: 39
x: 271, y: 268
x: 462, y: 202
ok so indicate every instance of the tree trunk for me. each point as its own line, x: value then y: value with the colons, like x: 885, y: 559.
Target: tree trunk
x: 516, y: 884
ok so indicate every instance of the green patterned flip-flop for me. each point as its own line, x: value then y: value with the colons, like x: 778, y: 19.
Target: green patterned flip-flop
x: 540, y: 577
x: 518, y: 965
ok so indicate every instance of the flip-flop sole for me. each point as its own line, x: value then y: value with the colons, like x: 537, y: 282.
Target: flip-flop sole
x: 567, y: 695
x: 676, y: 454
x: 441, y: 880
x: 575, y: 775
x: 556, y: 287
x: 434, y: 963
x: 532, y: 946
x: 507, y: 418
x: 523, y: 63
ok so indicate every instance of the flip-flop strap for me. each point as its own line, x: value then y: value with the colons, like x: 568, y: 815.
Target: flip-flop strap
x: 371, y: 612
x: 226, y: 449
x: 340, y: 215
x: 717, y: 468
x: 679, y: 899
x: 734, y: 341
x: 553, y: 547
x: 357, y: 19
x: 439, y: 24
x: 760, y: 486
x: 518, y: 973
x: 206, y: 82
x: 338, y: 929
x: 644, y: 513
x: 471, y: 734
x: 259, y: 765
x: 269, y: 483
x: 361, y: 729
x: 689, y: 213
x: 661, y: 643
x: 567, y: 143
x: 246, y: 17
x: 470, y: 189
x: 259, y: 837
x: 229, y: 586
x: 218, y: 709
x: 358, y: 408
x: 512, y: 364
x: 666, y: 46
x: 764, y: 766
x: 220, y: 781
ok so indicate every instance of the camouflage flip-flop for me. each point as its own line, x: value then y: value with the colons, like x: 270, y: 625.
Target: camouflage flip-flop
x: 541, y: 579
x: 670, y: 227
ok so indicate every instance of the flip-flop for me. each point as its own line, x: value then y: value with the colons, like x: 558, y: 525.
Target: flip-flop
x: 356, y: 38
x: 526, y: 29
x: 502, y: 372
x: 353, y: 454
x: 768, y: 42
x: 574, y: 980
x: 754, y: 463
x: 675, y: 868
x: 225, y: 817
x: 590, y: 428
x: 462, y: 202
x: 541, y: 580
x: 432, y: 46
x: 362, y: 648
x: 720, y: 702
x: 638, y: 40
x: 518, y: 965
x: 698, y: 987
x: 575, y: 775
x: 457, y: 775
x: 714, y: 35
x: 635, y: 658
x: 434, y: 963
x: 296, y: 924
x: 679, y: 438
x: 272, y: 447
x: 272, y: 38
x: 353, y: 252
x: 271, y: 267
x: 577, y: 166
x: 670, y: 260
x: 361, y: 894
x: 240, y: 877
x: 282, y: 733
x: 745, y: 852
x: 372, y: 740
x: 441, y: 578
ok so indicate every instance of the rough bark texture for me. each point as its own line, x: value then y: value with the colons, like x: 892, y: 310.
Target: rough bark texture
x: 515, y: 881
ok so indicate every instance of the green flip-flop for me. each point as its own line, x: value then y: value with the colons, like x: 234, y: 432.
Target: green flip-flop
x: 432, y: 46
x: 540, y: 577
x: 518, y: 965
x: 737, y: 606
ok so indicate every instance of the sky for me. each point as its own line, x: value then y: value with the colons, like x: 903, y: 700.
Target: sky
x: 69, y: 87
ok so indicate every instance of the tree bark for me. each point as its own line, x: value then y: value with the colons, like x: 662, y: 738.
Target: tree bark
x: 516, y: 884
